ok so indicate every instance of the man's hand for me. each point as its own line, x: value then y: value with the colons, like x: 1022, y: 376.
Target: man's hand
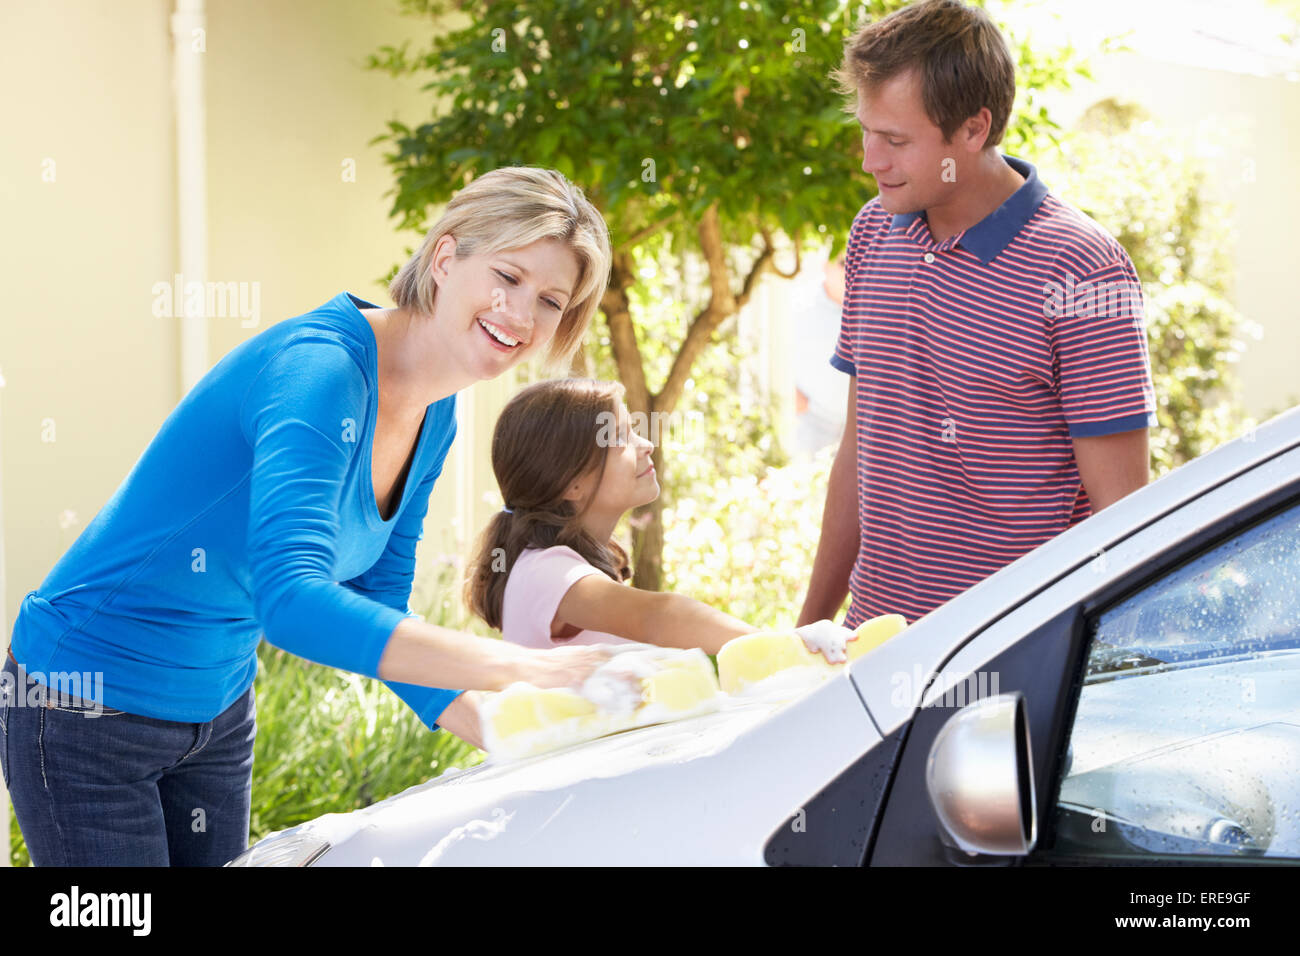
x: 1112, y: 466
x: 827, y: 638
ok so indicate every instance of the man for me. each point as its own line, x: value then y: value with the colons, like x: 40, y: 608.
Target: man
x: 1001, y: 390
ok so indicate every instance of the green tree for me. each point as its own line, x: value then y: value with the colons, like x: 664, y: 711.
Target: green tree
x: 707, y: 131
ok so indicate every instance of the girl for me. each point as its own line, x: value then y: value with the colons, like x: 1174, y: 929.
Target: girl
x: 547, y: 572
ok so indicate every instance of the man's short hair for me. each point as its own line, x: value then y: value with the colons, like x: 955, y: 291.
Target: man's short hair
x: 960, y: 55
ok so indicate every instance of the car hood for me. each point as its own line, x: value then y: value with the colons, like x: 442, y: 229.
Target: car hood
x: 702, y: 791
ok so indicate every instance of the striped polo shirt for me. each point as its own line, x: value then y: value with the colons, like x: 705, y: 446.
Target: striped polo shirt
x: 978, y: 359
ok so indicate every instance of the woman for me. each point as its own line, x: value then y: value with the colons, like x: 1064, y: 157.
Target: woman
x: 283, y: 498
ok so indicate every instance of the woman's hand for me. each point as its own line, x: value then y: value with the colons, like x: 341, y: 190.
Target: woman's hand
x: 434, y: 656
x: 602, y: 673
x: 564, y: 666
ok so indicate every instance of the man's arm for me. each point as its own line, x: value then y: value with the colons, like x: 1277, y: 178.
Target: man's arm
x: 1112, y: 466
x: 837, y: 548
x: 1103, y: 377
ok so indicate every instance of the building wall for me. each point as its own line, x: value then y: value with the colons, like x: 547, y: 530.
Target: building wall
x: 86, y: 167
x: 1248, y: 130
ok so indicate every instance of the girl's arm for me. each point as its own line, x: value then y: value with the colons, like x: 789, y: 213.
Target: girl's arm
x: 596, y: 603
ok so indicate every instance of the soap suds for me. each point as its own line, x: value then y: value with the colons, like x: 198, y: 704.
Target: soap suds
x: 474, y: 830
x: 615, y: 688
x: 826, y: 638
x: 609, y: 686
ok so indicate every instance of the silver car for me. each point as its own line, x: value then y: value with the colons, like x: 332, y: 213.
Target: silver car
x: 1128, y: 692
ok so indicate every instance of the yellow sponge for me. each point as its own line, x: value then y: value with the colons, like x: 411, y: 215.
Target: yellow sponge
x: 680, y: 684
x: 750, y: 658
x: 525, y: 709
x: 523, y: 720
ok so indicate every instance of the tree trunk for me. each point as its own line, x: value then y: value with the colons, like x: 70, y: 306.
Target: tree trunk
x: 647, y: 522
x: 648, y: 539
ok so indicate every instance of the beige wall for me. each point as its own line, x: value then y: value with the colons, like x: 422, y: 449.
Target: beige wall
x: 88, y: 368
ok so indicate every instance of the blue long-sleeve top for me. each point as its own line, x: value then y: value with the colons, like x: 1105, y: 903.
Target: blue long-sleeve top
x: 251, y: 514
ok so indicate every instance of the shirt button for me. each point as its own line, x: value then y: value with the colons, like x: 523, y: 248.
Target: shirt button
x: 929, y: 257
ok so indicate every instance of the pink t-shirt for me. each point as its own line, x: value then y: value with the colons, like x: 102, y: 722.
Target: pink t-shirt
x: 537, y: 583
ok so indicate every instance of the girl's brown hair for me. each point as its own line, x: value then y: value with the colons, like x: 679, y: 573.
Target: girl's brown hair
x: 547, y: 437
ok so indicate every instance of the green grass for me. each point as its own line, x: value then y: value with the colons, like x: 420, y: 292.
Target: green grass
x: 355, y: 743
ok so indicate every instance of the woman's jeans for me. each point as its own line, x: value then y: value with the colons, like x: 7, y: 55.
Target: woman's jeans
x: 93, y: 786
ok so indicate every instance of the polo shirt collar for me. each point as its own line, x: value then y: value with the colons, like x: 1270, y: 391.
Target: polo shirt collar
x: 994, y: 232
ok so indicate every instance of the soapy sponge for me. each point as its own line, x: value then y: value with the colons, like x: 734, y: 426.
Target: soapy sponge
x: 746, y: 660
x: 523, y: 720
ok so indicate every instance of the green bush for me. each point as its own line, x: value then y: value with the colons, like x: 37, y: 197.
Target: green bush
x: 747, y: 544
x: 330, y: 741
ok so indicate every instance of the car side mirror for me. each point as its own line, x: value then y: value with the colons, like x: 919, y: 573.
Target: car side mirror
x: 981, y: 780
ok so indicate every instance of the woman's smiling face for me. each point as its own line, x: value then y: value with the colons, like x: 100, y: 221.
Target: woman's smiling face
x: 502, y: 308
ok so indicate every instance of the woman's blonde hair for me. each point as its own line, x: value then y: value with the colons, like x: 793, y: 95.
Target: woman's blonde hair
x: 511, y: 208
x: 548, y: 436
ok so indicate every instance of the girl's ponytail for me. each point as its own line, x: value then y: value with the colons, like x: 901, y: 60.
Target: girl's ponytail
x: 484, y: 584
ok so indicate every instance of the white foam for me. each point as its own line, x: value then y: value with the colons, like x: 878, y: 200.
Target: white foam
x: 474, y: 830
x: 614, y: 686
x: 826, y: 638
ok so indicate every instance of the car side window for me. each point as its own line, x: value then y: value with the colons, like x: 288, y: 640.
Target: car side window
x: 1186, y: 739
